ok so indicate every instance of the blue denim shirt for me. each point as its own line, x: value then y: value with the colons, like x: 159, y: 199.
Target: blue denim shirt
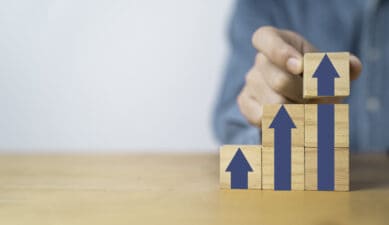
x: 358, y: 26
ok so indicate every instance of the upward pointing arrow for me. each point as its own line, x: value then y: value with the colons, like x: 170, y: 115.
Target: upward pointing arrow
x: 325, y: 147
x: 325, y: 74
x: 239, y: 167
x: 282, y: 125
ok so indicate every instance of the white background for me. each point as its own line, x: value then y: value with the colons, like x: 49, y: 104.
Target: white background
x: 125, y: 75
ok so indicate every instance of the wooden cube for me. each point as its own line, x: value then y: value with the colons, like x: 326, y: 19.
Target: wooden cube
x: 326, y: 74
x: 317, y: 116
x: 297, y: 173
x: 336, y: 177
x: 296, y: 115
x: 240, y: 167
x: 283, y: 147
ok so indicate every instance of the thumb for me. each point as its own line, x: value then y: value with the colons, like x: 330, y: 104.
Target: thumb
x: 355, y: 67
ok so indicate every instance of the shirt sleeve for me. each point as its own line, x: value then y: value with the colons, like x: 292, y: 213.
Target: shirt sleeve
x: 229, y: 125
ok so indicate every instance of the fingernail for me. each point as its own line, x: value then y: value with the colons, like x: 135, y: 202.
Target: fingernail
x: 294, y: 65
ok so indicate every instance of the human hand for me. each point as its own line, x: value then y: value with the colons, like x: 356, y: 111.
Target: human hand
x: 276, y: 76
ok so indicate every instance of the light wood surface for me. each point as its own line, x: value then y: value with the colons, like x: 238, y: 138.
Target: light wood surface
x: 252, y: 154
x: 341, y: 172
x: 341, y: 62
x: 173, y: 189
x: 296, y: 113
x: 341, y: 126
x: 342, y: 169
x: 297, y: 168
x: 310, y: 168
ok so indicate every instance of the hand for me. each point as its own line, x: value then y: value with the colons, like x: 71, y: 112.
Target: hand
x: 276, y: 76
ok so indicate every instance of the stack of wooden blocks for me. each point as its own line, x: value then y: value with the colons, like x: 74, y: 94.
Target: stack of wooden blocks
x: 304, y: 146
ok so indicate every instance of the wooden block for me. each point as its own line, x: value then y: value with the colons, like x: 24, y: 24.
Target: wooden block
x: 317, y: 67
x: 341, y: 169
x: 341, y: 125
x: 296, y: 113
x: 297, y: 168
x: 240, y: 167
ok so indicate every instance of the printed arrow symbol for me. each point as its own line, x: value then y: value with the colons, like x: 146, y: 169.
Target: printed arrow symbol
x: 325, y: 74
x: 325, y: 147
x: 282, y: 125
x: 239, y: 168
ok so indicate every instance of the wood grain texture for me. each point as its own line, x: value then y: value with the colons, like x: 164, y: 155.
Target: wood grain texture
x: 341, y: 132
x: 310, y: 169
x: 268, y: 168
x: 173, y: 188
x: 253, y: 155
x: 341, y: 170
x: 341, y: 62
x: 296, y: 113
x: 297, y: 168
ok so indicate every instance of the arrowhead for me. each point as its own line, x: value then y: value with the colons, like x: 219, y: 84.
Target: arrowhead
x: 239, y: 163
x: 325, y: 69
x: 282, y: 120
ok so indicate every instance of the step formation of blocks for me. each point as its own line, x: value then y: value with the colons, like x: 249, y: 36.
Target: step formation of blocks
x: 304, y: 147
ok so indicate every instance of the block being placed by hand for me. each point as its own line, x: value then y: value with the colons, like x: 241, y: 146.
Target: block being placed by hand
x: 283, y: 147
x: 326, y: 75
x: 240, y: 167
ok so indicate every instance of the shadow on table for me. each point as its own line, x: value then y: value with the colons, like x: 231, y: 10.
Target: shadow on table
x: 369, y: 171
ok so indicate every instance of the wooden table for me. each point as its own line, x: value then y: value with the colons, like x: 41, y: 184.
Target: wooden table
x: 174, y: 189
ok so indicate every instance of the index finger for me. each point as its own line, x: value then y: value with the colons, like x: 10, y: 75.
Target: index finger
x: 268, y: 40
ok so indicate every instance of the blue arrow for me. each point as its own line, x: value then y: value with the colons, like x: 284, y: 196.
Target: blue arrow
x: 282, y: 125
x: 239, y: 167
x: 325, y: 154
x: 325, y: 74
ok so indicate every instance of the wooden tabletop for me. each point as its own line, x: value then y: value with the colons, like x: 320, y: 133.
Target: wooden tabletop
x: 174, y: 189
